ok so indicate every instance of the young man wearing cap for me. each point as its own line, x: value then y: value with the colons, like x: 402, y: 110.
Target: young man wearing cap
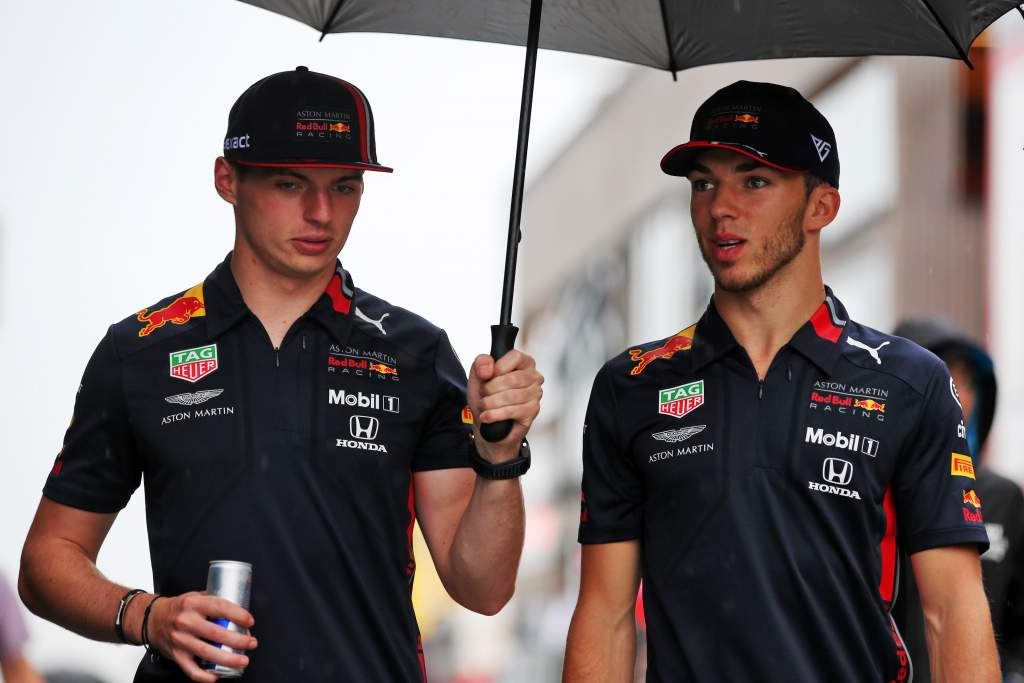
x: 759, y: 468
x: 284, y: 418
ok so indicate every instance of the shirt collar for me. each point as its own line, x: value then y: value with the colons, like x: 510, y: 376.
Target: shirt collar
x: 225, y: 305
x: 818, y: 339
x: 712, y: 340
x: 335, y: 306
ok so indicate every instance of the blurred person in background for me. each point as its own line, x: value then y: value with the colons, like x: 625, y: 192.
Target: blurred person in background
x: 1002, y: 565
x: 753, y: 467
x: 14, y: 667
x: 284, y: 418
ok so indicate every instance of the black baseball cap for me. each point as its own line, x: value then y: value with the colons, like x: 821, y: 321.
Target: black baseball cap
x: 767, y: 122
x: 302, y: 118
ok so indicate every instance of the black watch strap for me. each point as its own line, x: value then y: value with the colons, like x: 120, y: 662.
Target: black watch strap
x: 510, y: 469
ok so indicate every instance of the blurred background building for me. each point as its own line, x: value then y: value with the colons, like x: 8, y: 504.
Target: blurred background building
x: 932, y: 224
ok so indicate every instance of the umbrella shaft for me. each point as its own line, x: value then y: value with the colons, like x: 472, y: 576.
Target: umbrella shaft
x: 519, y: 172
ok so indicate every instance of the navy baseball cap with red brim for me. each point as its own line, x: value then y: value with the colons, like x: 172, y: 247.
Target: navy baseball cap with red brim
x: 302, y: 119
x: 769, y: 123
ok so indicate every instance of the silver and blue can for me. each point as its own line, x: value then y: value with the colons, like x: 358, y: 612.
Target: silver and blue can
x: 232, y: 581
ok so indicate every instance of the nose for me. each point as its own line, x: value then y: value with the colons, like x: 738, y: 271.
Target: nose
x: 318, y: 205
x: 724, y: 203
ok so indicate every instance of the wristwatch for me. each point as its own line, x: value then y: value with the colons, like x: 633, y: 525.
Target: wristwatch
x: 504, y: 470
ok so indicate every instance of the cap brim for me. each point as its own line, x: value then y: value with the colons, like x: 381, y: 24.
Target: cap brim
x: 678, y: 161
x: 317, y: 164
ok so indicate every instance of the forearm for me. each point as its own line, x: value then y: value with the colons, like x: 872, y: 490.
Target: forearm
x: 60, y: 583
x: 487, y: 546
x: 16, y: 669
x: 961, y: 646
x: 599, y: 649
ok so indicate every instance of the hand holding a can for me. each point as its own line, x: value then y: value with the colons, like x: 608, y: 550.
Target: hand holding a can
x: 180, y: 628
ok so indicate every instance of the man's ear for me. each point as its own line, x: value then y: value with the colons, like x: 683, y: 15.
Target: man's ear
x: 225, y: 180
x: 822, y: 207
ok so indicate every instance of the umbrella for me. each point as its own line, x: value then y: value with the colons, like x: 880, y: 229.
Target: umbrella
x: 665, y: 34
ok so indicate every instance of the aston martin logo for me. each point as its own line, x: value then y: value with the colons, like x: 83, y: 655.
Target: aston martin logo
x: 191, y: 399
x: 677, y: 435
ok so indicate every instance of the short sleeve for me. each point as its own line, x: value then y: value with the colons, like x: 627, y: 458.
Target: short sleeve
x: 613, y: 491
x: 934, y: 484
x: 97, y: 469
x: 448, y: 428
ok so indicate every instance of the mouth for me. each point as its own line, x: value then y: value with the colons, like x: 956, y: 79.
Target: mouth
x: 311, y: 244
x: 727, y: 248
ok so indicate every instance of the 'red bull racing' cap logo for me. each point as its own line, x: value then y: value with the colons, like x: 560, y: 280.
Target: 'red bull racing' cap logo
x: 680, y: 342
x: 187, y: 306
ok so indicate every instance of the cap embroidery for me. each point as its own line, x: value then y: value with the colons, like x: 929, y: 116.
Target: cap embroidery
x: 823, y: 147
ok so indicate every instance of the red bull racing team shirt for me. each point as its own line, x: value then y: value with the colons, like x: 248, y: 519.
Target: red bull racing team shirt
x: 769, y: 511
x: 298, y: 460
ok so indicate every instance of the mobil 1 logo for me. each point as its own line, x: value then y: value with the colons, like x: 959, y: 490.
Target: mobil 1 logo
x: 846, y: 442
x: 359, y: 399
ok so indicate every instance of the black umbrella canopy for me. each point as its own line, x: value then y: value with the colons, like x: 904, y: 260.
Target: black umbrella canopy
x: 675, y: 34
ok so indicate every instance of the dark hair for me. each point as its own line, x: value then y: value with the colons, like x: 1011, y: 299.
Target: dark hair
x: 812, y: 181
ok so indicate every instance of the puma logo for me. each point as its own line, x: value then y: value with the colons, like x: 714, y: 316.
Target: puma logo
x: 379, y: 322
x: 861, y: 345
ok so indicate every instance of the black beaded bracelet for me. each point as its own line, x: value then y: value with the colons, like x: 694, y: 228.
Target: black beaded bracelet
x: 122, y: 609
x: 145, y: 622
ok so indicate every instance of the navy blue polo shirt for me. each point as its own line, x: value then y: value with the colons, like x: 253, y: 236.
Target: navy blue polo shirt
x: 769, y: 511
x: 297, y: 459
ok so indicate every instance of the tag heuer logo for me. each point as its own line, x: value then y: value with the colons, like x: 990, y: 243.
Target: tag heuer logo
x: 681, y: 400
x: 192, y: 365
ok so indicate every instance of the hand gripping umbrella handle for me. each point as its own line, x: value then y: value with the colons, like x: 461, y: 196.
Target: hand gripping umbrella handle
x: 503, y: 338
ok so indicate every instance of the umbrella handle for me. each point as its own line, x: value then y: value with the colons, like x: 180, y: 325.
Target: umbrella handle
x: 503, y: 339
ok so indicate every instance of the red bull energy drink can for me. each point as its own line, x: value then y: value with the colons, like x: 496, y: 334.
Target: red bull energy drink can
x: 232, y: 581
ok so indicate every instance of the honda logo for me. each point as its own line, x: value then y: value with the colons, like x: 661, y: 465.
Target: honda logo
x: 363, y: 427
x: 836, y: 471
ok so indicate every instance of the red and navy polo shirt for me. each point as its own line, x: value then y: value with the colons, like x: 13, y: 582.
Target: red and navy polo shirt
x: 297, y: 459
x: 769, y: 511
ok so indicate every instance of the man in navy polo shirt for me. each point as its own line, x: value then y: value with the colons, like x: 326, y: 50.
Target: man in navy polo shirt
x: 282, y: 417
x: 759, y: 468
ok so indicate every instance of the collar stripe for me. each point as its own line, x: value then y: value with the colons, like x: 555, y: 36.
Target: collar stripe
x: 340, y: 302
x: 825, y: 322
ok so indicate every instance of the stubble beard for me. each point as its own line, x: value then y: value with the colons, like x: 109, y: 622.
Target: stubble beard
x: 777, y: 253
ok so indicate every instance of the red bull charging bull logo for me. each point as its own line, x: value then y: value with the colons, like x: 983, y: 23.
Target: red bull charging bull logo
x: 187, y: 306
x: 970, y: 497
x: 680, y: 342
x: 383, y: 369
x: 869, y: 404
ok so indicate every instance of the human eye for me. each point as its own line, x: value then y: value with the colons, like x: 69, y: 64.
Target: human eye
x: 702, y: 184
x: 286, y: 184
x: 756, y: 182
